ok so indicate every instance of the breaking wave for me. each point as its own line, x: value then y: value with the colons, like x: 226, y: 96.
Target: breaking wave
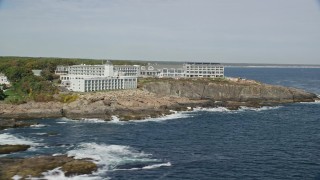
x: 10, y: 139
x: 116, y: 120
x: 38, y: 125
x: 217, y: 109
x: 82, y: 120
x: 108, y: 158
x: 58, y: 174
x: 315, y: 102
x: 115, y: 157
x: 241, y: 109
x: 263, y: 108
x: 174, y: 115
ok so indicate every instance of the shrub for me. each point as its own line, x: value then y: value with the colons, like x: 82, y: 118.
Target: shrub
x: 43, y: 98
x: 68, y: 98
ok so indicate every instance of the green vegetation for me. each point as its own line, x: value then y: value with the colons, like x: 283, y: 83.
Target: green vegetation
x: 25, y: 86
x: 68, y: 98
x: 2, y: 95
x: 13, y: 97
x: 142, y: 81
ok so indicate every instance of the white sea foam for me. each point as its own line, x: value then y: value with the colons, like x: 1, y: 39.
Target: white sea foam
x: 10, y: 139
x: 82, y: 120
x: 217, y: 109
x: 58, y: 174
x: 38, y: 125
x: 153, y: 166
x: 92, y: 120
x: 16, y: 177
x: 315, y: 102
x: 263, y: 108
x: 242, y: 108
x: 57, y: 154
x: 61, y: 122
x: 157, y: 165
x: 116, y: 120
x: 109, y: 157
x: 40, y: 134
x: 174, y: 115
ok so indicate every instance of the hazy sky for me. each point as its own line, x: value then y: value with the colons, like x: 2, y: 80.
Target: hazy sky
x: 259, y: 31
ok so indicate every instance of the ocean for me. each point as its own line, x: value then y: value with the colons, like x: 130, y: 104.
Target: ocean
x: 281, y: 142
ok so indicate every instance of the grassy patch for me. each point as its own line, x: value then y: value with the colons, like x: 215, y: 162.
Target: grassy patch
x: 68, y: 98
x: 13, y: 97
x: 143, y: 81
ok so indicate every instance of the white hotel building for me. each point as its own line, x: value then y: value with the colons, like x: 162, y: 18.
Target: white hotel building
x: 187, y: 70
x: 196, y: 69
x: 85, y: 78
x: 87, y: 84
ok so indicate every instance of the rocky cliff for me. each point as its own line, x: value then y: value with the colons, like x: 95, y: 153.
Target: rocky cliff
x: 227, y: 90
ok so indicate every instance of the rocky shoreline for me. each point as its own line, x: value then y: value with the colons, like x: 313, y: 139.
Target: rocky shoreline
x: 157, y: 98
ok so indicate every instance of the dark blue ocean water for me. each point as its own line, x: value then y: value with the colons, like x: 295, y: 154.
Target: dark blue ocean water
x: 268, y: 143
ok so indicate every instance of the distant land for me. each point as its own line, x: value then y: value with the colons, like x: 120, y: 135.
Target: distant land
x: 116, y: 61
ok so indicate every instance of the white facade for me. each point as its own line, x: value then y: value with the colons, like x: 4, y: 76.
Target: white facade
x: 127, y: 70
x: 87, y: 78
x: 105, y: 70
x: 87, y: 84
x: 203, y: 70
x: 149, y: 71
x: 4, y: 79
x: 60, y: 70
x: 171, y: 72
x: 212, y: 70
x: 83, y: 71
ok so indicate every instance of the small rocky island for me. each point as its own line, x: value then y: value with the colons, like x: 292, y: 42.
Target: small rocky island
x: 157, y: 97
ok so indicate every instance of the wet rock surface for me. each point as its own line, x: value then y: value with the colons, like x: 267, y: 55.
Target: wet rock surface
x: 35, y: 166
x: 12, y: 123
x: 7, y: 149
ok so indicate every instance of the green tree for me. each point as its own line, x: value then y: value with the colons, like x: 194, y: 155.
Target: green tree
x: 2, y: 95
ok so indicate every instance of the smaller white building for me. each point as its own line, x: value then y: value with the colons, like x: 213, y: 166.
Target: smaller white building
x: 172, y: 72
x: 37, y: 72
x: 61, y: 70
x: 88, y: 84
x: 4, y: 79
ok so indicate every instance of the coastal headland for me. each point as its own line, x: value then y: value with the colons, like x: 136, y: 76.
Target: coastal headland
x: 153, y: 98
x: 158, y: 97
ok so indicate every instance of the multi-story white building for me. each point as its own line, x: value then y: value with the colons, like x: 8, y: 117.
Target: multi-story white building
x: 83, y: 70
x: 4, y: 79
x: 127, y: 70
x: 187, y: 70
x: 86, y: 78
x: 203, y: 70
x: 91, y: 70
x: 87, y: 84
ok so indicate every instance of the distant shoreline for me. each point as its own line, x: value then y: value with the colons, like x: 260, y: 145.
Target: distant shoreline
x: 248, y: 66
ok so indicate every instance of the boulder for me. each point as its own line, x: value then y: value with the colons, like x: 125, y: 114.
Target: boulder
x: 35, y: 166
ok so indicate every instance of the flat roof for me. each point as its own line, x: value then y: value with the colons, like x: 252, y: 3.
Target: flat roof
x: 209, y: 63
